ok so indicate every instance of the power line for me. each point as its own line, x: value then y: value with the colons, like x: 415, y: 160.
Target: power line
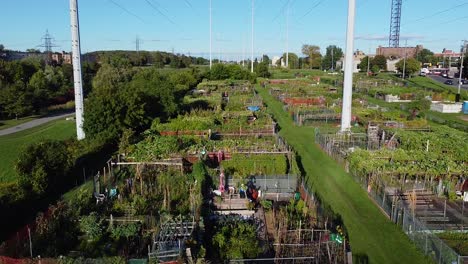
x: 127, y: 11
x: 436, y: 13
x: 281, y: 11
x: 189, y: 4
x: 312, y: 8
x: 161, y: 13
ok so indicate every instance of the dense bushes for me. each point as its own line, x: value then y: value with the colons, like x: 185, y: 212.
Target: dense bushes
x: 47, y: 169
x: 231, y: 71
x: 125, y: 98
x: 28, y: 86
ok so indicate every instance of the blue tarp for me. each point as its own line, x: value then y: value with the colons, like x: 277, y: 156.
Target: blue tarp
x: 253, y: 108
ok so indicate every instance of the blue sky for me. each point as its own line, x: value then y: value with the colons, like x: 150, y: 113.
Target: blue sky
x: 183, y: 25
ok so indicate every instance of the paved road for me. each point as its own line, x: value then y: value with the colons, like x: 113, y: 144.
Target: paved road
x: 32, y: 124
x: 442, y: 80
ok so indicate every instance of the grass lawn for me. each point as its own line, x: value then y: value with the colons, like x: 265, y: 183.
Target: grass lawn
x: 11, y: 145
x: 370, y: 232
x: 4, y: 124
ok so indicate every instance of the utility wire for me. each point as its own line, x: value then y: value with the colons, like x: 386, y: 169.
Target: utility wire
x: 161, y: 13
x: 127, y: 11
x: 437, y: 13
x: 312, y: 9
x: 281, y: 11
x: 189, y: 4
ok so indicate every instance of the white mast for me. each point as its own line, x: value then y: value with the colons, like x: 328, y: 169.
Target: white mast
x: 287, y: 35
x: 76, y: 55
x: 252, y: 48
x: 211, y: 58
x: 349, y: 67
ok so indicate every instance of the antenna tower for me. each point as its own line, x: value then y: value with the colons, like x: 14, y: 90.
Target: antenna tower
x: 395, y: 22
x: 47, y: 45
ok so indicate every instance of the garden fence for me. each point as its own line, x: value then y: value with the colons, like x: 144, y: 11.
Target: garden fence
x: 398, y: 212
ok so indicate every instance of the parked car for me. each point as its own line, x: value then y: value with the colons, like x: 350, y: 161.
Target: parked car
x: 449, y: 82
x: 464, y: 81
x: 445, y: 75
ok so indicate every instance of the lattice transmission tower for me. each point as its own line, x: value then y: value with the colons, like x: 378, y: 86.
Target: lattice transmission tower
x: 395, y: 23
x: 48, y: 45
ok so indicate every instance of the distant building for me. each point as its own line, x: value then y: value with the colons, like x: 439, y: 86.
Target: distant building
x: 61, y: 58
x: 358, y: 55
x: 448, y: 54
x: 401, y: 52
x: 275, y: 60
x: 391, y: 65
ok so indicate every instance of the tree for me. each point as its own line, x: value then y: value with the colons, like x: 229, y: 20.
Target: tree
x: 92, y: 226
x: 363, y: 65
x: 237, y: 240
x: 262, y: 70
x: 15, y: 100
x: 332, y: 55
x: 293, y: 61
x: 412, y: 66
x: 2, y: 47
x: 56, y: 231
x: 314, y: 57
x: 425, y: 56
x: 380, y: 61
x: 44, y: 166
x: 266, y: 59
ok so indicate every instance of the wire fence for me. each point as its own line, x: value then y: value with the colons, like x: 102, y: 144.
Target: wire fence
x: 397, y: 211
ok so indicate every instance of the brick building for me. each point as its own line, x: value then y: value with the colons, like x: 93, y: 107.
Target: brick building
x: 401, y: 52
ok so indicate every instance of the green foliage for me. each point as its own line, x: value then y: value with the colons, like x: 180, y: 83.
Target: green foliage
x: 457, y: 241
x: 123, y: 99
x: 232, y: 71
x: 55, y: 232
x: 127, y: 231
x: 313, y: 56
x: 43, y: 166
x: 380, y: 61
x: 237, y: 240
x: 377, y: 64
x: 27, y: 87
x: 242, y: 165
x: 332, y: 55
x: 262, y: 70
x: 191, y: 122
x: 81, y: 260
x: 293, y: 60
x: 447, y: 152
x: 411, y: 66
x: 92, y: 226
x: 155, y: 147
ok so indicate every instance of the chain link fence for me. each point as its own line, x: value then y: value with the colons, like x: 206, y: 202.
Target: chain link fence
x: 394, y: 208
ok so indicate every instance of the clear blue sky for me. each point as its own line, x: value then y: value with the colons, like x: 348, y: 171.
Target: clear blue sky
x: 183, y: 25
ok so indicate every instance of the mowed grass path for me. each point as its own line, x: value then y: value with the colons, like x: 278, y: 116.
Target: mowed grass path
x: 370, y: 232
x: 11, y: 145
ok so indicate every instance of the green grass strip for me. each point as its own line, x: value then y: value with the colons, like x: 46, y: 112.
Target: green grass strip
x: 11, y: 145
x: 370, y: 232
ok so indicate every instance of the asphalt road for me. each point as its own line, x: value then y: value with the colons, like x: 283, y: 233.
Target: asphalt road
x: 442, y: 80
x: 32, y: 123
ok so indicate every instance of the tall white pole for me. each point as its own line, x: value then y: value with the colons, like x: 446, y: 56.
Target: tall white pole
x: 252, y: 47
x: 287, y: 35
x: 76, y: 56
x: 404, y: 61
x: 211, y: 44
x: 349, y: 67
x: 463, y: 52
